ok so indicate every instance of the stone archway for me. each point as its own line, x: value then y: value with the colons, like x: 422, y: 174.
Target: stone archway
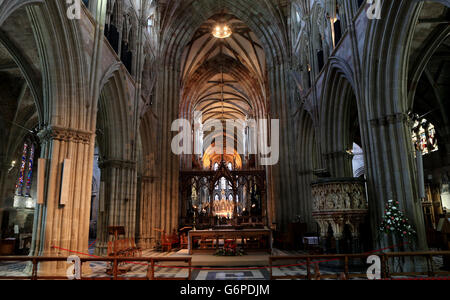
x: 177, y: 33
x: 118, y: 202
x: 390, y: 156
x: 339, y: 118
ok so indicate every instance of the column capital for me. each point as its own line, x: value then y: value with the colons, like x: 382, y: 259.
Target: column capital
x: 396, y: 118
x: 149, y: 179
x: 338, y: 154
x: 66, y: 135
x: 117, y: 163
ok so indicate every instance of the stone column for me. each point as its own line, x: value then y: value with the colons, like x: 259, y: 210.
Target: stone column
x: 338, y: 232
x: 3, y: 186
x: 147, y: 236
x: 120, y: 179
x: 323, y: 233
x: 339, y: 163
x: 59, y: 228
x: 392, y: 174
x: 167, y: 191
x: 283, y: 192
x: 356, y: 245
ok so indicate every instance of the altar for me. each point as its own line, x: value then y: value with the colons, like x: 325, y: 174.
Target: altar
x: 212, y: 240
x: 225, y: 202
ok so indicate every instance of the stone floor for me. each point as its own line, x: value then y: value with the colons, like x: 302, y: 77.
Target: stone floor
x: 206, y: 267
x: 210, y: 267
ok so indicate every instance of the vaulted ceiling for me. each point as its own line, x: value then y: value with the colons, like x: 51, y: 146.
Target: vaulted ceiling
x: 224, y: 78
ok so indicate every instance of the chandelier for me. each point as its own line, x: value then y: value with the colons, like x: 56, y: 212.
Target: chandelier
x: 222, y: 31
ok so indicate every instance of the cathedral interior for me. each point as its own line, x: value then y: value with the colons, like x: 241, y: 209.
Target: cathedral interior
x: 339, y: 143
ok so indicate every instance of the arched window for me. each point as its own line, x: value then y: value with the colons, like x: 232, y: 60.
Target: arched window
x: 216, y: 166
x: 150, y: 22
x: 358, y: 160
x: 230, y: 166
x: 337, y: 29
x: 24, y: 181
x: 424, y: 137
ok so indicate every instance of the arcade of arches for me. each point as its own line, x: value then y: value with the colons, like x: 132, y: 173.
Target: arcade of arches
x: 87, y: 105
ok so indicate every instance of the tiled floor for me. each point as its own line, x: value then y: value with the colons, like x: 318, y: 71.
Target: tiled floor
x: 12, y: 268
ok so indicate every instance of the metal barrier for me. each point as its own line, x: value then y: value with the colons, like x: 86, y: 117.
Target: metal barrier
x: 149, y: 261
x: 386, y: 260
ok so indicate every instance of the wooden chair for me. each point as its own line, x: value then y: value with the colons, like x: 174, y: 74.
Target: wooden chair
x: 184, y: 241
x: 137, y: 250
x: 175, y: 240
x: 129, y: 248
x: 166, y: 243
x: 316, y: 272
x: 110, y: 251
x: 119, y: 248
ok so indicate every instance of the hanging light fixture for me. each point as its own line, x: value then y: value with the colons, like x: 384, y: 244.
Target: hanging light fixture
x: 222, y: 31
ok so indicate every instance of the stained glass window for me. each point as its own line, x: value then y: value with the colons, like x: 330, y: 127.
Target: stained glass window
x: 24, y: 181
x: 424, y: 137
x: 30, y: 171
x: 19, y: 184
x: 222, y: 183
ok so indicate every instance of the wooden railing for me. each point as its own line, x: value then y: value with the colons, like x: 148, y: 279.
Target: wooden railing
x: 310, y: 262
x: 151, y: 262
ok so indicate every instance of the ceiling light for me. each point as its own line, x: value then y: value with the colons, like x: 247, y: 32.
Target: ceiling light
x: 222, y: 31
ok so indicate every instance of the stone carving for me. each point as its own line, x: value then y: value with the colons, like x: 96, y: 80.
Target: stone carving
x: 338, y: 202
x: 65, y: 135
x: 339, y: 196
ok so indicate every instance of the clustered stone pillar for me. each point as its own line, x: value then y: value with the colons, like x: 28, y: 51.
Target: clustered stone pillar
x: 147, y: 234
x: 118, y: 201
x: 282, y: 196
x: 59, y: 228
x: 339, y: 163
x: 4, y: 189
x: 392, y: 169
